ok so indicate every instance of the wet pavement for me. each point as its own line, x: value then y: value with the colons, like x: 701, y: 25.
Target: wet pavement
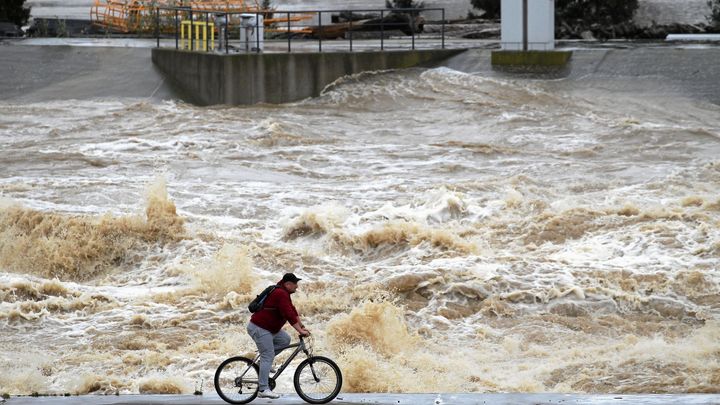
x: 388, y: 399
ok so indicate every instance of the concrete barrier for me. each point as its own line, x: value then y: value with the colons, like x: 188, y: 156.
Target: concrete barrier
x: 647, y: 69
x: 208, y: 79
x: 530, y: 58
x: 41, y: 73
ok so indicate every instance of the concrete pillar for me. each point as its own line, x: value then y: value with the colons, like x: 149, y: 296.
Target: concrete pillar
x: 528, y: 25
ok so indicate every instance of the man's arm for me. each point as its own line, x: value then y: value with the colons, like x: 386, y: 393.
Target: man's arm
x: 301, y: 329
x: 288, y: 312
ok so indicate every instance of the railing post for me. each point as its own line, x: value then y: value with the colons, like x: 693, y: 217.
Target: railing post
x: 350, y: 31
x: 442, y: 29
x: 205, y: 31
x: 320, y: 31
x: 176, y: 29
x: 289, y: 34
x: 412, y: 28
x: 227, y: 35
x: 525, y: 24
x: 257, y: 32
x: 382, y: 30
x: 192, y: 28
x: 157, y: 25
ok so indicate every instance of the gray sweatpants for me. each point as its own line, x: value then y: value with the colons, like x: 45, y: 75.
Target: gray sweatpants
x: 268, y: 345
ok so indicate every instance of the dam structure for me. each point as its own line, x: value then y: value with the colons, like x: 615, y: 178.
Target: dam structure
x: 81, y: 72
x: 252, y: 69
x: 204, y: 68
x: 276, y: 77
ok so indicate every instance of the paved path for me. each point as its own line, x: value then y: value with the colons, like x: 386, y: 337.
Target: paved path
x: 389, y: 399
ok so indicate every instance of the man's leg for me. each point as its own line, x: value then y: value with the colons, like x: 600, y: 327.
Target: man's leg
x: 264, y: 341
x: 281, y: 340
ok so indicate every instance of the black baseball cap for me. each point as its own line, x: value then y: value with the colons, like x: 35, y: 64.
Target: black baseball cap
x: 290, y: 277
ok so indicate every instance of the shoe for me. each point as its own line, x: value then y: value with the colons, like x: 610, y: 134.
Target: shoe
x: 268, y: 394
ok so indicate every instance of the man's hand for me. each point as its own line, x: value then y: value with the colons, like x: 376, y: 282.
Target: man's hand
x: 301, y: 329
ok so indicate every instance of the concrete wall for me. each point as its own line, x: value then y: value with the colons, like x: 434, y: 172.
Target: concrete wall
x: 276, y: 78
x: 42, y: 73
x: 653, y: 71
x: 33, y: 73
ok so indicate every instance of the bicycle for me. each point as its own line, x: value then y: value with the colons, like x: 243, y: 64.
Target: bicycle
x: 317, y: 379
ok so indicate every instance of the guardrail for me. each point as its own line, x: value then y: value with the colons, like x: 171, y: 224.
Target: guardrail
x: 279, y: 31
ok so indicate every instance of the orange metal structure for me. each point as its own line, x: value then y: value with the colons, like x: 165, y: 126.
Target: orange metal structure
x: 132, y: 16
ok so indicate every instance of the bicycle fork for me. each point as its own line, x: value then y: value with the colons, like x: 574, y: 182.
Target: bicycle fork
x: 312, y: 368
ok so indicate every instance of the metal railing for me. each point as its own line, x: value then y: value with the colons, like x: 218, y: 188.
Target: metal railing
x: 281, y: 30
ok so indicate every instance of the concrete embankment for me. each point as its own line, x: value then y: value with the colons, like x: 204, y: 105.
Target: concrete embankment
x: 40, y: 73
x: 649, y: 69
x: 45, y: 73
x: 276, y: 77
x: 279, y: 78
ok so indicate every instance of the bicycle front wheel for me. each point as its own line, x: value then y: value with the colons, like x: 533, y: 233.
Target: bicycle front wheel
x: 236, y: 380
x: 318, y: 380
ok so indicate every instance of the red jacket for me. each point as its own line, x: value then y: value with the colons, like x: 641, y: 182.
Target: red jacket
x: 278, y: 308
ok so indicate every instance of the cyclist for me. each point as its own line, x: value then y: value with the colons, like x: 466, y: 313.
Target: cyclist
x: 265, y: 328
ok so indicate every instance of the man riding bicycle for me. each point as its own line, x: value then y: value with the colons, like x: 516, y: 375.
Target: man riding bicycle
x: 265, y: 328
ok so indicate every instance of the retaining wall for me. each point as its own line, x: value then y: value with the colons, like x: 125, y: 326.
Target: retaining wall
x: 209, y: 79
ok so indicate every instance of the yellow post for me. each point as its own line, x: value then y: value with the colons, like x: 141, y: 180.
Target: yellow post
x: 197, y: 35
x: 204, y: 30
x: 183, y: 44
x: 193, y: 34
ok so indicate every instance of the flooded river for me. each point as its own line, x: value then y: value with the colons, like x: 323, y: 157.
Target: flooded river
x: 454, y: 232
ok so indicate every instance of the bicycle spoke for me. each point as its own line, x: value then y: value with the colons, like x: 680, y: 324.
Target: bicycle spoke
x: 317, y: 380
x: 236, y: 381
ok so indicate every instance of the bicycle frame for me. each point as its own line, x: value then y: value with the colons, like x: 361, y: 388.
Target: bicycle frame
x: 310, y: 372
x: 299, y: 346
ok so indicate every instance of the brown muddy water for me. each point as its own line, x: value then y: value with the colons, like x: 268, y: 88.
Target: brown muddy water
x: 454, y: 233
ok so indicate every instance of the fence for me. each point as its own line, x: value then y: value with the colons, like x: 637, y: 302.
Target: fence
x: 283, y: 31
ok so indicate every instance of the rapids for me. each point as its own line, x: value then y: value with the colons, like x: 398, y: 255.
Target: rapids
x: 454, y: 233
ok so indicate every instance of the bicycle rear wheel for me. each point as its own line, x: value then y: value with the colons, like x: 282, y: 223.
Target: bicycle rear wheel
x: 318, y: 380
x: 236, y: 380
